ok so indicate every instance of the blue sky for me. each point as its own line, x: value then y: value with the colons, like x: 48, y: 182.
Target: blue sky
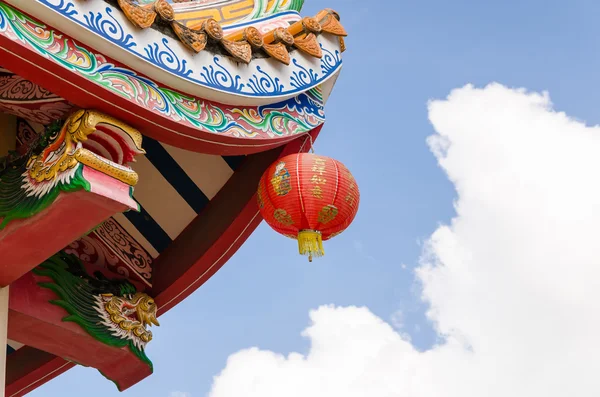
x: 400, y: 55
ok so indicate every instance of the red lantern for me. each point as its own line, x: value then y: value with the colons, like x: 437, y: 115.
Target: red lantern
x: 309, y: 198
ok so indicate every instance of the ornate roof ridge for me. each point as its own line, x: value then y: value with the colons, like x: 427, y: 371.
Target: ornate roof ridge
x: 244, y: 43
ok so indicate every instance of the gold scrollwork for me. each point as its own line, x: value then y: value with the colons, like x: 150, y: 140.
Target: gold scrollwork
x: 64, y: 153
x: 327, y: 214
x: 283, y: 217
x: 132, y: 314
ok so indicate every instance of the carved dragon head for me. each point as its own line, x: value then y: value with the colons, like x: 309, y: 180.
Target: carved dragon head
x: 128, y: 316
x: 145, y: 309
x: 89, y: 151
x: 93, y: 139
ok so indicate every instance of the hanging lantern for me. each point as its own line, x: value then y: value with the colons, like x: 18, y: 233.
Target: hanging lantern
x: 309, y: 198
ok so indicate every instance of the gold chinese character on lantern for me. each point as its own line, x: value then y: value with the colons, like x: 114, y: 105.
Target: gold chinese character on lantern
x: 319, y: 166
x: 317, y: 192
x: 350, y: 199
x: 318, y: 180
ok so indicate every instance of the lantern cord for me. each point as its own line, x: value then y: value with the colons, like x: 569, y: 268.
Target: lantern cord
x: 308, y: 138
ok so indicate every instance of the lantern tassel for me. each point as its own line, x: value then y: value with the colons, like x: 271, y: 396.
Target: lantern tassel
x: 310, y: 243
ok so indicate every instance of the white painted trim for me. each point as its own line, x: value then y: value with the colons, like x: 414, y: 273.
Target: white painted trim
x: 39, y: 380
x: 226, y: 252
x: 196, y: 62
x: 3, y: 337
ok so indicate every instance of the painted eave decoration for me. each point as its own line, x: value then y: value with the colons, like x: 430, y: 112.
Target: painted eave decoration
x: 76, y: 170
x: 224, y: 93
x: 164, y: 114
x: 29, y: 101
x: 273, y: 57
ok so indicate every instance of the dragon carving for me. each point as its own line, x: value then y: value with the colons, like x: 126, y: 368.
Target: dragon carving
x: 110, y: 310
x: 54, y: 163
x: 127, y: 317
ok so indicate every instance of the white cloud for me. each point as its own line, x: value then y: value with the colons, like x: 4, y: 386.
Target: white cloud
x: 513, y: 282
x: 397, y: 319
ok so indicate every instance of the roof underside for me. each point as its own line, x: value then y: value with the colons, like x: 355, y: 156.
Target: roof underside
x: 184, y: 197
x: 175, y: 185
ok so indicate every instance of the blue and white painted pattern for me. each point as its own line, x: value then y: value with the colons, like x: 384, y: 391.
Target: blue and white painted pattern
x: 262, y: 78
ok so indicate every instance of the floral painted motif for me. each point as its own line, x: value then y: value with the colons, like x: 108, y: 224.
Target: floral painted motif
x: 110, y: 246
x: 25, y: 99
x: 161, y: 53
x: 295, y: 116
x: 281, y: 180
x: 111, y: 311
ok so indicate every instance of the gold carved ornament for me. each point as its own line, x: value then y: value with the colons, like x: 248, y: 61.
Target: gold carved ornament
x: 240, y: 45
x: 132, y: 315
x: 66, y: 152
x: 140, y: 16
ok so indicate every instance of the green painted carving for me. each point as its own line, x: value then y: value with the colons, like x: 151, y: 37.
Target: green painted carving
x: 55, y: 163
x: 110, y: 310
x: 262, y: 9
x: 20, y: 196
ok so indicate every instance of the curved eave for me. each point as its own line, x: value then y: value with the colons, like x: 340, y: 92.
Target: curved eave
x: 190, y: 260
x: 166, y: 60
x: 163, y: 114
x: 211, y: 239
x: 29, y: 368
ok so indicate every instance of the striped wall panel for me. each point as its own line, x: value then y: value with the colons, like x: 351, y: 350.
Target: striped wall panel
x: 174, y: 187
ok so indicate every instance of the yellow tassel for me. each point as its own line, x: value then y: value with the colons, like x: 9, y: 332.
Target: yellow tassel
x: 310, y: 243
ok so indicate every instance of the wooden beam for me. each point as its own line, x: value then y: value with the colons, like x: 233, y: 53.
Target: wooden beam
x: 217, y: 232
x: 29, y: 368
x: 193, y: 258
x: 8, y: 133
x: 34, y: 321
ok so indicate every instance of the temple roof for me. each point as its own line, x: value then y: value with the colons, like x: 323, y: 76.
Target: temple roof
x: 205, y: 81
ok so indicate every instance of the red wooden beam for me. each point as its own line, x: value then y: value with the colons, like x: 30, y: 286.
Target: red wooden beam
x: 217, y: 232
x: 29, y: 368
x: 35, y: 322
x: 26, y: 243
x: 199, y: 252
